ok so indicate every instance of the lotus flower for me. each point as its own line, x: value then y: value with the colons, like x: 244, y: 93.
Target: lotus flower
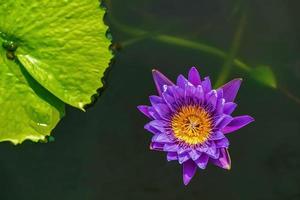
x: 190, y: 121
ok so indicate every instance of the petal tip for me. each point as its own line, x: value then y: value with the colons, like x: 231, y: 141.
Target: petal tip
x: 189, y: 170
x: 194, y: 69
x: 140, y: 107
x: 249, y: 119
x: 228, y: 167
x: 231, y: 88
x: 194, y: 76
x: 186, y: 180
x: 160, y: 80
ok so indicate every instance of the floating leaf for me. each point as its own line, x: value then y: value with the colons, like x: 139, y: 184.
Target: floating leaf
x: 264, y: 75
x: 53, y: 51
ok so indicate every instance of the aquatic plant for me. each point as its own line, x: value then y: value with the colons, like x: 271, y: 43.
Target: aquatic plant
x: 52, y: 53
x: 189, y: 120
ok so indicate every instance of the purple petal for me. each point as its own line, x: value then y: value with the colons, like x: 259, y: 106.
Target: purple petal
x: 176, y: 92
x: 172, y: 156
x: 206, y: 85
x: 183, y: 157
x: 222, y: 143
x: 160, y: 80
x: 216, y: 135
x: 223, y: 121
x: 224, y: 160
x: 181, y: 149
x: 212, y: 98
x: 220, y: 92
x: 161, y: 138
x: 156, y: 146
x: 194, y: 154
x: 153, y: 113
x: 145, y: 110
x: 163, y: 110
x: 189, y: 170
x: 194, y: 76
x: 202, y: 161
x: 169, y: 101
x: 237, y: 123
x: 230, y: 89
x: 157, y: 124
x: 171, y: 147
x: 220, y: 105
x: 155, y: 99
x: 202, y: 148
x: 212, y: 150
x: 182, y: 81
x: 189, y: 92
x: 151, y: 129
x: 229, y: 107
x: 199, y: 93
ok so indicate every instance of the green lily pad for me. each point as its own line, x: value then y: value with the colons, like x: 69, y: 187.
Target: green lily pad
x: 52, y: 52
x: 28, y: 111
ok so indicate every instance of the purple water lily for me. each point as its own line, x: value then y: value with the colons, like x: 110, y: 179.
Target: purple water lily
x: 190, y: 121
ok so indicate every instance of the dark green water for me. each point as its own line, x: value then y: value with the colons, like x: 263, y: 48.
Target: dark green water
x: 104, y: 154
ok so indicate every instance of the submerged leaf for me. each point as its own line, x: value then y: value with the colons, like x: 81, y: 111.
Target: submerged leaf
x: 264, y: 75
x: 51, y: 52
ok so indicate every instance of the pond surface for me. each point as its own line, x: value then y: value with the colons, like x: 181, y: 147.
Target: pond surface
x: 104, y: 153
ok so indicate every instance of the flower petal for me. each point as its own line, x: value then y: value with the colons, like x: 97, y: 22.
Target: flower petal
x: 217, y: 135
x: 237, y: 123
x: 183, y: 157
x: 163, y: 110
x: 145, y: 110
x: 157, y: 124
x: 155, y: 99
x: 220, y: 105
x: 189, y: 92
x: 212, y: 98
x: 161, y: 138
x: 202, y: 161
x: 230, y: 89
x: 194, y: 76
x: 194, y: 154
x: 199, y: 93
x: 220, y: 92
x: 206, y: 85
x: 224, y: 160
x: 182, y: 81
x: 177, y: 93
x: 171, y: 147
x: 153, y: 113
x: 160, y: 80
x: 189, y: 170
x: 156, y: 146
x: 172, y: 156
x: 169, y: 101
x: 223, y: 121
x: 151, y: 129
x: 229, y: 107
x: 224, y: 142
x: 212, y: 150
x: 182, y: 149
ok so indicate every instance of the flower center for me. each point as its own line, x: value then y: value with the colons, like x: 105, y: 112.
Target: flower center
x: 192, y: 125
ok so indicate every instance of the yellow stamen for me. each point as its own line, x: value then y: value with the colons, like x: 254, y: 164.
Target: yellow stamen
x: 192, y: 125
